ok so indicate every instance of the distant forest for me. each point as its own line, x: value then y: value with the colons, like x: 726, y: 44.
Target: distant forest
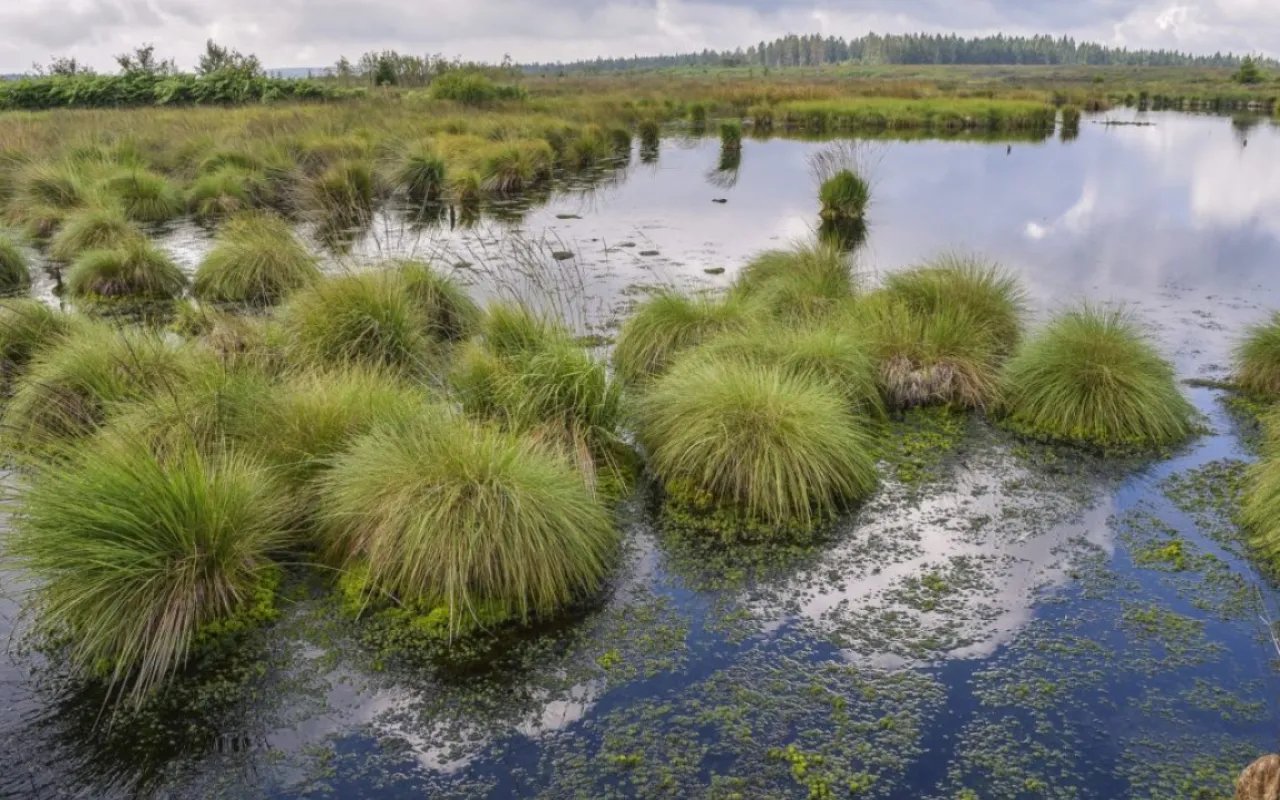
x: 817, y: 50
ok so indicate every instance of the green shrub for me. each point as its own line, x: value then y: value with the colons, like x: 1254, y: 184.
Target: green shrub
x: 420, y: 174
x: 364, y: 319
x: 668, y: 323
x: 135, y: 270
x: 15, y: 269
x: 136, y: 557
x: 93, y: 229
x: 26, y: 327
x: 472, y: 88
x: 143, y: 195
x: 256, y: 259
x: 844, y: 196
x: 1092, y: 377
x: 805, y: 282
x: 1257, y: 359
x: 969, y: 284
x: 780, y: 448
x: 452, y: 513
x: 229, y: 190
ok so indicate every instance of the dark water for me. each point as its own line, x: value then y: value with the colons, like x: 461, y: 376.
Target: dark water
x: 1014, y: 627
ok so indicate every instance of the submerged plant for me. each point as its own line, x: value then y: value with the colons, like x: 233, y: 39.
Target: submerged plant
x: 804, y: 282
x: 104, y: 228
x: 453, y: 514
x: 970, y: 285
x: 780, y: 447
x: 1092, y: 377
x: 1257, y: 358
x: 135, y: 270
x: 144, y: 196
x: 668, y: 323
x: 844, y: 196
x: 137, y: 557
x: 256, y: 259
x: 15, y: 270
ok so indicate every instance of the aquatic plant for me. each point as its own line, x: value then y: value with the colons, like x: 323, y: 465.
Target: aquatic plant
x: 136, y: 269
x: 143, y: 195
x: 779, y: 447
x: 1070, y: 117
x: 1093, y: 377
x: 100, y: 228
x: 1257, y: 358
x: 15, y: 269
x: 662, y: 326
x: 229, y: 190
x: 26, y: 327
x: 620, y: 141
x: 803, y: 282
x: 844, y: 196
x: 256, y: 259
x: 515, y: 166
x: 345, y: 190
x: 420, y: 174
x: 450, y: 312
x: 971, y: 284
x: 137, y: 557
x: 589, y: 147
x: 460, y: 515
x: 361, y: 319
x: 69, y: 388
x: 731, y: 136
x: 947, y: 357
x: 835, y: 355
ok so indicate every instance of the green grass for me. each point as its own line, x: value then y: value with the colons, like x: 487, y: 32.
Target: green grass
x: 1070, y: 117
x: 731, y: 136
x: 450, y: 312
x: 229, y: 190
x: 968, y: 284
x: 844, y: 196
x: 805, y: 282
x: 256, y: 260
x: 933, y: 114
x: 345, y: 190
x: 1093, y: 377
x: 62, y: 186
x: 661, y: 327
x: 102, y: 228
x: 70, y: 388
x: 135, y: 557
x: 513, y: 329
x: 781, y: 448
x: 837, y: 356
x: 1257, y: 359
x: 15, y: 267
x: 421, y: 174
x: 135, y: 270
x: 515, y: 166
x: 364, y: 319
x: 451, y: 513
x: 26, y: 327
x: 947, y: 357
x: 144, y: 196
x: 1260, y: 507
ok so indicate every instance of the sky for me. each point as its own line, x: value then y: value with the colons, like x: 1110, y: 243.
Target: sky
x: 314, y: 33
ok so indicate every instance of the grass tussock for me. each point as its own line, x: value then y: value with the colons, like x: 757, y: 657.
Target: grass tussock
x: 844, y: 196
x: 26, y: 328
x: 1093, y: 377
x: 1260, y: 508
x: 669, y: 323
x: 229, y: 190
x: 102, y: 228
x: 515, y: 330
x: 135, y: 270
x: 136, y: 556
x: 143, y: 195
x: 15, y: 267
x: 345, y: 190
x: 1257, y: 359
x: 421, y: 174
x: 256, y: 259
x: 731, y: 136
x: 970, y: 285
x: 807, y: 281
x: 466, y: 516
x: 450, y: 312
x: 781, y: 448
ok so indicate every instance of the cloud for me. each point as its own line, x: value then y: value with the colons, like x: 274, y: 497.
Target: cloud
x: 303, y: 33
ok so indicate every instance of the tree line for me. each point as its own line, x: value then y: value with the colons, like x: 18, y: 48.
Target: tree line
x: 920, y: 48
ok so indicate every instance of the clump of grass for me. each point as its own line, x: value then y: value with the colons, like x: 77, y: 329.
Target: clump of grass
x: 454, y: 514
x: 669, y: 323
x: 228, y: 190
x: 698, y: 115
x: 941, y: 358
x: 27, y: 327
x: 1257, y: 359
x: 143, y: 195
x: 974, y: 286
x: 620, y: 141
x: 1260, y: 508
x: 55, y: 186
x: 779, y: 447
x: 650, y: 134
x: 450, y: 312
x: 70, y: 388
x: 731, y: 136
x: 421, y: 173
x: 364, y: 319
x: 345, y: 190
x: 837, y: 356
x: 844, y: 196
x: 513, y: 329
x: 102, y: 228
x: 804, y: 282
x: 136, y: 269
x: 256, y: 259
x: 137, y: 557
x: 15, y: 268
x: 515, y: 166
x: 589, y: 147
x: 1071, y: 117
x: 1092, y: 377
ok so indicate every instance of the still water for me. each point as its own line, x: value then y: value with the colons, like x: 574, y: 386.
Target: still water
x: 1012, y: 627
